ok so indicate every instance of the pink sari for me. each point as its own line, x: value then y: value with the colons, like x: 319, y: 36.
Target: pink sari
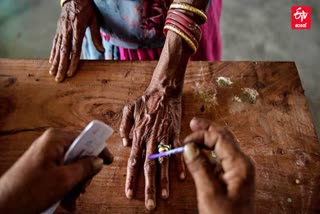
x: 209, y: 46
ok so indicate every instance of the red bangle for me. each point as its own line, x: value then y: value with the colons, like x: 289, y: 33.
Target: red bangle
x: 185, y: 37
x: 170, y: 21
x: 192, y: 27
x: 183, y: 15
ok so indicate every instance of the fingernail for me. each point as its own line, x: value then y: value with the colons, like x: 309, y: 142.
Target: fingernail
x: 182, y: 176
x: 193, y: 122
x: 97, y: 164
x: 69, y: 74
x: 58, y: 79
x: 150, y: 204
x: 125, y: 142
x: 191, y: 151
x: 164, y: 194
x: 129, y: 193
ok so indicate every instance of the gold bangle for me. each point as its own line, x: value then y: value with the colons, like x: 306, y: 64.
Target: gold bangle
x: 183, y: 35
x: 62, y: 2
x: 190, y: 8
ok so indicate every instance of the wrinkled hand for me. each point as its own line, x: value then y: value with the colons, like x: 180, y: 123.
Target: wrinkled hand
x: 155, y: 118
x: 223, y: 186
x: 39, y: 178
x: 76, y: 16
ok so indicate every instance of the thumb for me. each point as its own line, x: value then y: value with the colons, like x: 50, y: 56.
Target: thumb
x: 82, y: 169
x: 202, y: 171
x: 95, y: 34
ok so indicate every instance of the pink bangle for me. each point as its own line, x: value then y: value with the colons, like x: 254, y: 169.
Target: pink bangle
x: 191, y: 26
x: 183, y: 29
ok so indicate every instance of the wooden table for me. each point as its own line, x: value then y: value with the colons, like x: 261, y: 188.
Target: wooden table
x: 276, y: 130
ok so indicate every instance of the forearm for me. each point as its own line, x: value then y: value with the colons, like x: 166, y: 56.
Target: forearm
x: 10, y: 200
x: 170, y: 71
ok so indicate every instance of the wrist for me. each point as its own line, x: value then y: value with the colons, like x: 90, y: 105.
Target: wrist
x: 5, y: 204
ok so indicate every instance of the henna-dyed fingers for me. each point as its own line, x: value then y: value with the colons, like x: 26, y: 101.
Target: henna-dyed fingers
x: 133, y: 165
x: 126, y: 124
x: 53, y: 49
x: 150, y: 170
x: 55, y: 62
x: 164, y: 176
x: 78, y: 35
x: 64, y: 56
x: 181, y: 170
x: 95, y: 34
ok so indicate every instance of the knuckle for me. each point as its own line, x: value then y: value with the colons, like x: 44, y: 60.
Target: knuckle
x: 132, y: 161
x: 58, y: 45
x: 76, y: 50
x: 63, y: 51
x: 62, y: 68
x: 149, y: 166
x: 225, y: 135
x: 150, y: 191
x: 126, y: 109
x: 164, y: 162
x: 54, y: 66
x: 50, y: 133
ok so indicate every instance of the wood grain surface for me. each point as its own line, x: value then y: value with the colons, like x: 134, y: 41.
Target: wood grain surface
x: 276, y: 130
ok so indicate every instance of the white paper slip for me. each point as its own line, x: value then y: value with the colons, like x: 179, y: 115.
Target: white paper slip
x: 90, y: 142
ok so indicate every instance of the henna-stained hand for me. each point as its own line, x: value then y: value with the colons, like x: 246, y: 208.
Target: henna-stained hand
x: 76, y: 16
x: 223, y: 186
x: 156, y: 117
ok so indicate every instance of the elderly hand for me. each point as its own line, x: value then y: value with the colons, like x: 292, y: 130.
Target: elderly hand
x: 226, y: 185
x: 39, y: 178
x: 156, y: 117
x: 76, y: 16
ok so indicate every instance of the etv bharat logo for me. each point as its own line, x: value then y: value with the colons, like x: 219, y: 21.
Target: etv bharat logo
x: 300, y: 17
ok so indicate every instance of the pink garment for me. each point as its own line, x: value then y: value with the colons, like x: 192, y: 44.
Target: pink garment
x: 140, y: 54
x: 209, y: 45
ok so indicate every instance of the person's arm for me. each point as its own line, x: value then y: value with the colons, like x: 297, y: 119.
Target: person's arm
x: 170, y: 71
x: 39, y: 178
x: 76, y: 16
x: 156, y: 116
x: 225, y: 184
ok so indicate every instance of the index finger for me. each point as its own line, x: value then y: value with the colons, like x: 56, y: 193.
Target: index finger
x: 197, y: 124
x: 219, y: 139
x: 238, y: 168
x: 54, y: 136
